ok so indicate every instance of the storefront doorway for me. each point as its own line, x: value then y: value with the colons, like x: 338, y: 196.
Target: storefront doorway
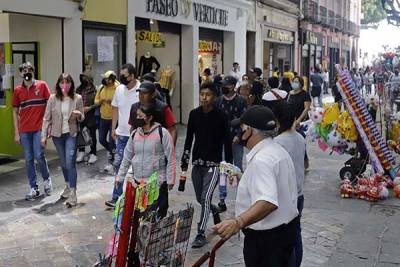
x: 211, y: 51
x: 25, y: 52
x: 158, y: 50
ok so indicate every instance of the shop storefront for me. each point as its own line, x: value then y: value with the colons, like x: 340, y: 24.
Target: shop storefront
x: 334, y: 54
x: 312, y: 51
x: 276, y: 44
x: 179, y: 40
x: 211, y: 51
x: 278, y: 50
x: 345, y: 49
x: 46, y: 34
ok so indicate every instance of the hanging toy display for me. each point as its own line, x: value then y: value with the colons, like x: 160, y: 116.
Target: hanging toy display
x: 147, y: 192
x: 379, y: 154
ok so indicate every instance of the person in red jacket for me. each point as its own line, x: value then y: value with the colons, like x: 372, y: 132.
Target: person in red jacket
x: 29, y: 104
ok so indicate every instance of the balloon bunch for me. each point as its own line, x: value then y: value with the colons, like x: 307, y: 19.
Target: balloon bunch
x: 332, y: 129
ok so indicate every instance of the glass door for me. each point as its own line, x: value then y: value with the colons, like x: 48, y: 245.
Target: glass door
x: 24, y: 52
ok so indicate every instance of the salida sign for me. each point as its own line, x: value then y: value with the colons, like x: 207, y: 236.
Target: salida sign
x: 209, y: 47
x: 202, y: 13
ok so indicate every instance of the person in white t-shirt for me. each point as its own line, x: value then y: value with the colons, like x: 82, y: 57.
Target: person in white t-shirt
x: 295, y: 144
x: 266, y: 201
x: 125, y: 95
x: 235, y: 72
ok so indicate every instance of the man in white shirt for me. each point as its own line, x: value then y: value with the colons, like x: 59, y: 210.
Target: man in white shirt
x: 266, y: 202
x: 235, y: 72
x: 125, y: 95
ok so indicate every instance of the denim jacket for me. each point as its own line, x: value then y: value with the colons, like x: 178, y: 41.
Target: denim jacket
x: 52, y: 121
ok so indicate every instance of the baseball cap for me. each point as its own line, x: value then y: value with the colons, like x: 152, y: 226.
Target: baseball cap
x: 107, y: 74
x: 149, y: 77
x: 147, y: 87
x: 257, y: 71
x: 258, y: 117
x: 228, y: 80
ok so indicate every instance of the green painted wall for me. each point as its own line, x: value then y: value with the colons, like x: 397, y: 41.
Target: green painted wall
x: 7, y: 144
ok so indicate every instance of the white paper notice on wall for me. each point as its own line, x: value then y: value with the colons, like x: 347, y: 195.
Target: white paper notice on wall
x: 10, y: 69
x: 105, y: 48
x: 6, y: 84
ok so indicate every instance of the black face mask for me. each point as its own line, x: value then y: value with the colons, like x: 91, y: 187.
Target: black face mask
x: 123, y: 79
x: 104, y: 81
x: 241, y: 141
x: 225, y: 90
x: 28, y: 76
x: 139, y: 123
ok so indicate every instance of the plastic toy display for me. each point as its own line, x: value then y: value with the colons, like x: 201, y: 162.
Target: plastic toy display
x: 380, y: 155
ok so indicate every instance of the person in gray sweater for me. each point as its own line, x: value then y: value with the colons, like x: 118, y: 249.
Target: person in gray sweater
x: 150, y: 149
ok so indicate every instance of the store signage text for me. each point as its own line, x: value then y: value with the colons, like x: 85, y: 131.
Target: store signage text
x: 208, y: 14
x: 209, y: 47
x: 279, y: 36
x: 163, y: 7
x: 150, y: 37
x: 201, y: 12
x: 311, y: 38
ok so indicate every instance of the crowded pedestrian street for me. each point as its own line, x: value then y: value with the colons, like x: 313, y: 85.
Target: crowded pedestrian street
x: 336, y: 232
x: 190, y: 133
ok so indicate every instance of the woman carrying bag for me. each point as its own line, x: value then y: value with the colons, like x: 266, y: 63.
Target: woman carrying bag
x: 64, y: 112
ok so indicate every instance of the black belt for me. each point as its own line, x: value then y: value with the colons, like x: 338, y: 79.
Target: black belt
x: 248, y: 231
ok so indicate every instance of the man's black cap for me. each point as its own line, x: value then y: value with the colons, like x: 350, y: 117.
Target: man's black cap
x: 149, y: 77
x: 257, y: 71
x: 228, y: 81
x: 258, y: 117
x: 147, y: 87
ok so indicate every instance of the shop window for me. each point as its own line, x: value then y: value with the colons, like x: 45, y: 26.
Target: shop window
x: 104, y: 48
x: 158, y: 50
x: 211, y: 50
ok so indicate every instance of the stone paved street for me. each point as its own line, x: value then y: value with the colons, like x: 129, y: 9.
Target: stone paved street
x: 336, y: 232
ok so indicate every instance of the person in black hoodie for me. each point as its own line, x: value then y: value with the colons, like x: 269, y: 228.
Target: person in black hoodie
x: 211, y: 130
x: 88, y: 92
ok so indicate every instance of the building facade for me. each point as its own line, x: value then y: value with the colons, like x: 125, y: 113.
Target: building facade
x: 329, y: 32
x: 184, y: 38
x: 276, y: 35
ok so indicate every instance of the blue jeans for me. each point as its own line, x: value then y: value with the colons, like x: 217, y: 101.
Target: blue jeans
x: 298, y: 249
x: 105, y: 129
x: 66, y: 149
x: 237, y: 151
x: 119, y: 154
x: 30, y: 141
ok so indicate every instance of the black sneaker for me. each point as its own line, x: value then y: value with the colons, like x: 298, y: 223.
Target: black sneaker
x: 111, y: 203
x: 222, y: 207
x: 216, y: 217
x: 199, y: 241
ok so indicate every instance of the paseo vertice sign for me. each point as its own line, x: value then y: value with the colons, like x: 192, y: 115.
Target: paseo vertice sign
x: 201, y: 12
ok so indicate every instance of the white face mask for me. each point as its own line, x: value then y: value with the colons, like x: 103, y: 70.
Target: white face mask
x: 295, y: 85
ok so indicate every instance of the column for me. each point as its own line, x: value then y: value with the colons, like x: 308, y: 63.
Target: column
x: 73, y: 46
x: 189, y: 66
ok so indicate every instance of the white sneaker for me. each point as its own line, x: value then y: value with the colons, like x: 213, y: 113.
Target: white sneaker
x: 80, y: 156
x: 67, y: 191
x: 109, y: 168
x: 92, y: 159
x: 72, y: 200
x: 47, y: 186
